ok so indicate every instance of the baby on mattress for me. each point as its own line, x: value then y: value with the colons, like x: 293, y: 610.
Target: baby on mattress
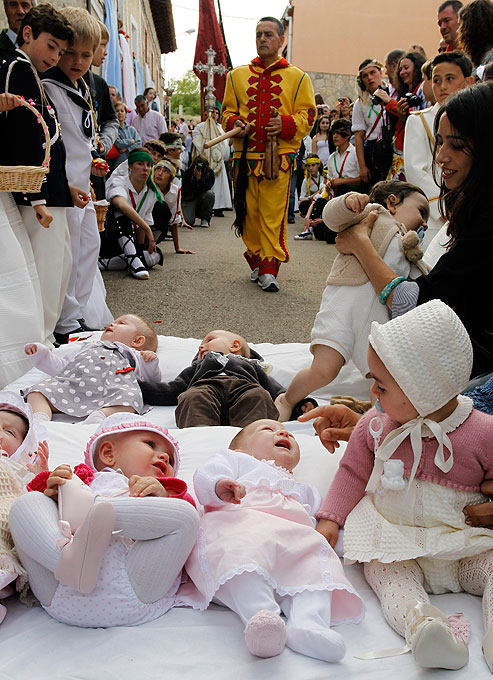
x: 259, y: 554
x: 99, y: 378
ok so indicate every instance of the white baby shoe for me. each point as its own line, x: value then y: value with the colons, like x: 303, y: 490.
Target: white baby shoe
x: 87, y: 530
x: 431, y: 638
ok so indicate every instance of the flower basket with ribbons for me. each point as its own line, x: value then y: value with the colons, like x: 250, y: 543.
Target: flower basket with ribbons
x: 27, y: 178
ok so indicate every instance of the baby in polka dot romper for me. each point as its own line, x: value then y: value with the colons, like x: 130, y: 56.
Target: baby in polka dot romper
x: 96, y: 379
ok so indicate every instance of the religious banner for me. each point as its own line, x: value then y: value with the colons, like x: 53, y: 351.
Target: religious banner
x: 209, y: 35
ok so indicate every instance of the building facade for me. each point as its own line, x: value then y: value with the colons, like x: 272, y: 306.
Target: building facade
x: 148, y: 27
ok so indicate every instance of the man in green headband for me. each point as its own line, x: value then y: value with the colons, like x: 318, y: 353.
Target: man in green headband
x: 129, y: 241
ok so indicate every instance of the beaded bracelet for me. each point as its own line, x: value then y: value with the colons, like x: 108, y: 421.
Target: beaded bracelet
x: 389, y: 288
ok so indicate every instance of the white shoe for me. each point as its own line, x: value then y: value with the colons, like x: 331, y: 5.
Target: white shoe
x: 268, y: 282
x: 204, y: 223
x: 87, y: 529
x: 254, y: 275
x: 75, y: 501
x: 431, y: 639
x: 304, y: 236
x: 141, y: 273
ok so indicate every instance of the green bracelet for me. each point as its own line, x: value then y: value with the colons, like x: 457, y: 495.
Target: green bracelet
x: 389, y: 288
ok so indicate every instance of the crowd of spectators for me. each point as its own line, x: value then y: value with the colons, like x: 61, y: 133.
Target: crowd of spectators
x: 399, y: 94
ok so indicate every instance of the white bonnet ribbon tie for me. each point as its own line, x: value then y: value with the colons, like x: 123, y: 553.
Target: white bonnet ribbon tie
x: 443, y: 441
x: 394, y: 439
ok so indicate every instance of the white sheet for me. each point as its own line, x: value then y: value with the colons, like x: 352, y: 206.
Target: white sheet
x: 208, y: 645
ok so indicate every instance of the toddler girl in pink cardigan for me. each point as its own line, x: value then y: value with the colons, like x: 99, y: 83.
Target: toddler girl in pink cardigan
x: 411, y: 466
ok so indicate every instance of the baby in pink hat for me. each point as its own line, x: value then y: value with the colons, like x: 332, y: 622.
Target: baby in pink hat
x: 112, y: 552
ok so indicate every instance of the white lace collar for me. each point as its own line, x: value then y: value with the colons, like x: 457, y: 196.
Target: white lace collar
x: 285, y: 471
x: 459, y: 415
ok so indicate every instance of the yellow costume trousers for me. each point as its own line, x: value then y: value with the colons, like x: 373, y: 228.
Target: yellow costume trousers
x: 264, y: 229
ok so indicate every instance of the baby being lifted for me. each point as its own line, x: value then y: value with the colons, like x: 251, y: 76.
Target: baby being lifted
x: 349, y: 302
x: 96, y: 379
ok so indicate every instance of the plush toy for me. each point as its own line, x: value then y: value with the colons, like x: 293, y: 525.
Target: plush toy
x: 410, y: 247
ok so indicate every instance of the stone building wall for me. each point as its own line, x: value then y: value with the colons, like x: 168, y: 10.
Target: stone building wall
x: 334, y: 85
x: 137, y: 23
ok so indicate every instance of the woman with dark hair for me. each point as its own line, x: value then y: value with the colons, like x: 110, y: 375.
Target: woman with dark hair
x: 150, y: 95
x: 320, y: 142
x: 476, y: 31
x: 409, y: 86
x: 408, y: 75
x: 462, y: 276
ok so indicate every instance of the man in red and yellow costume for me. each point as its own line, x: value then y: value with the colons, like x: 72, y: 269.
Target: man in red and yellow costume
x: 269, y: 96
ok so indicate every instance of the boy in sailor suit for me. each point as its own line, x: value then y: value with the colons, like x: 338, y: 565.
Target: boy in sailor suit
x: 72, y: 100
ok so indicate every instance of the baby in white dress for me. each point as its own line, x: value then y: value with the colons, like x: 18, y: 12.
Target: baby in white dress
x: 258, y: 552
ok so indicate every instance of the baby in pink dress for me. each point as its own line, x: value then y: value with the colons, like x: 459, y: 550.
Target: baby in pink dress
x: 259, y: 554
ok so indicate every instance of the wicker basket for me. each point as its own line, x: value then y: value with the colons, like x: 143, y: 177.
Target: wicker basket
x: 27, y: 178
x: 101, y: 211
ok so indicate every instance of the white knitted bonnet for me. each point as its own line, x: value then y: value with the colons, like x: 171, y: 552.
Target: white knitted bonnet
x: 428, y: 353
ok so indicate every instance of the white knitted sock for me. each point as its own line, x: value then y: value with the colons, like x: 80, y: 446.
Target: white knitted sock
x: 396, y: 584
x: 165, y: 530
x: 308, y: 626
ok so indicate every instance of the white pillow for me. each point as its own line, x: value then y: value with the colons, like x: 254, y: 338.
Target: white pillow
x: 286, y: 360
x: 317, y: 466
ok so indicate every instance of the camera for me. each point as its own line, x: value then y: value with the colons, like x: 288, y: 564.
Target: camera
x: 320, y: 110
x: 377, y: 100
x: 340, y: 102
x: 412, y: 99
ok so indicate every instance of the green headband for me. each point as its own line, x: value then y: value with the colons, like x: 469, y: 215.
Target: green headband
x: 134, y: 156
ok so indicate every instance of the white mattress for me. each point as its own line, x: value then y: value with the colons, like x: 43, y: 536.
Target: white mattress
x: 209, y: 645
